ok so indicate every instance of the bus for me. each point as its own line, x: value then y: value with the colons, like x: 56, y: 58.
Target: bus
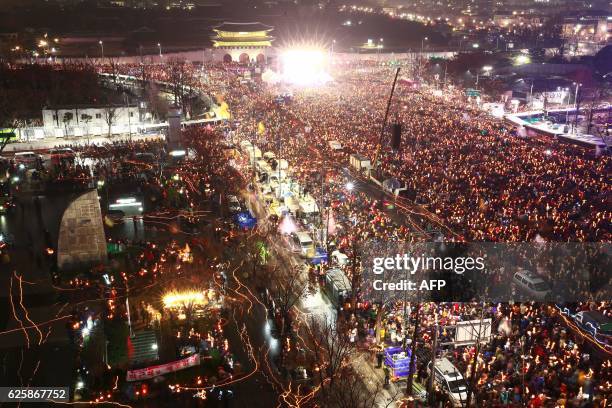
x: 7, y: 133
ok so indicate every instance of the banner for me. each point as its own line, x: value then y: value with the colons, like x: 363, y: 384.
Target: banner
x: 154, y: 371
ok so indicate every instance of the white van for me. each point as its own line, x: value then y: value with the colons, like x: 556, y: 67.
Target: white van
x: 262, y: 166
x: 335, y: 145
x: 267, y: 156
x: 451, y: 381
x: 338, y: 258
x: 531, y: 285
x: 26, y: 157
x: 301, y: 243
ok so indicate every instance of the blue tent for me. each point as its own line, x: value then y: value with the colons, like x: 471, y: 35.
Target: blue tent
x: 320, y: 256
x: 245, y: 220
x: 398, y: 361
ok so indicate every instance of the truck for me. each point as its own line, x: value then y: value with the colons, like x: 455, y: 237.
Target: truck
x: 450, y: 380
x: 337, y: 286
x: 360, y: 163
x: 335, y: 145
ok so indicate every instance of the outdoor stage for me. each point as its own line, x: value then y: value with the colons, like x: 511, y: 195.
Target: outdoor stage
x: 529, y: 121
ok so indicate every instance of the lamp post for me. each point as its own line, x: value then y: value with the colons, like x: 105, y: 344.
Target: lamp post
x: 160, y: 50
x: 129, y: 114
x: 445, y: 67
x: 421, y: 56
x: 497, y: 41
x: 569, y: 98
x: 461, y: 42
x: 486, y: 69
x: 608, y: 119
x: 575, y: 124
x: 101, y: 48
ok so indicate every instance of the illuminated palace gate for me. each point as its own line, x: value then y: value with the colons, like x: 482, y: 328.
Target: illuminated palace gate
x: 242, y: 42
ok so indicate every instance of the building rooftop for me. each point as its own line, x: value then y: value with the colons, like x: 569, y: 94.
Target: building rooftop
x: 242, y: 27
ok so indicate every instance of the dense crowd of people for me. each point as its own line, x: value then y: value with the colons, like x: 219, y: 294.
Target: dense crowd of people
x: 469, y: 178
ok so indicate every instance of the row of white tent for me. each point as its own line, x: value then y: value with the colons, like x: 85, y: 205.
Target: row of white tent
x: 282, y: 192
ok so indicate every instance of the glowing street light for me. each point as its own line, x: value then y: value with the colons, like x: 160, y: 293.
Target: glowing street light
x: 160, y: 50
x: 423, y: 43
x: 522, y: 59
x: 101, y: 48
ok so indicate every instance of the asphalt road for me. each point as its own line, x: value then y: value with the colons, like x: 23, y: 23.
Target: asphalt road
x: 23, y: 363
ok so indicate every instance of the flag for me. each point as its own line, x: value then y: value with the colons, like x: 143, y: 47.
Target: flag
x: 130, y: 347
x: 224, y: 112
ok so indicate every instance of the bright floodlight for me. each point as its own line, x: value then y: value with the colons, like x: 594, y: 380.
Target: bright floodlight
x: 177, y: 299
x: 304, y: 67
x: 522, y: 59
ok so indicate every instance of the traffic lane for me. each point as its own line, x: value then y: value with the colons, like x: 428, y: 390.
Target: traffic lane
x: 253, y: 356
x: 42, y: 364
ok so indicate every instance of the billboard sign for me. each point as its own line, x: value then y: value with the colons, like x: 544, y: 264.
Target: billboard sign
x: 155, y: 371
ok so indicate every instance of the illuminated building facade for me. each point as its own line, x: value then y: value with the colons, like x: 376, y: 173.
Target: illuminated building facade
x: 586, y: 34
x: 242, y: 42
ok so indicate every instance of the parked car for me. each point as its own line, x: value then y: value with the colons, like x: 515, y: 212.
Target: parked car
x: 532, y: 285
x: 62, y: 153
x: 301, y: 243
x: 26, y: 158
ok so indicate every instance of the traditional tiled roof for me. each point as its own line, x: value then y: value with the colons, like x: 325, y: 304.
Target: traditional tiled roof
x: 243, y: 27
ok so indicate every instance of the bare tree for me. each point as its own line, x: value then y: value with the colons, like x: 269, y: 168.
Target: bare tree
x: 331, y: 349
x: 10, y: 118
x: 289, y: 286
x: 157, y: 104
x: 114, y: 66
x: 110, y: 115
x: 67, y: 118
x: 179, y: 79
x: 86, y: 118
x: 353, y: 390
